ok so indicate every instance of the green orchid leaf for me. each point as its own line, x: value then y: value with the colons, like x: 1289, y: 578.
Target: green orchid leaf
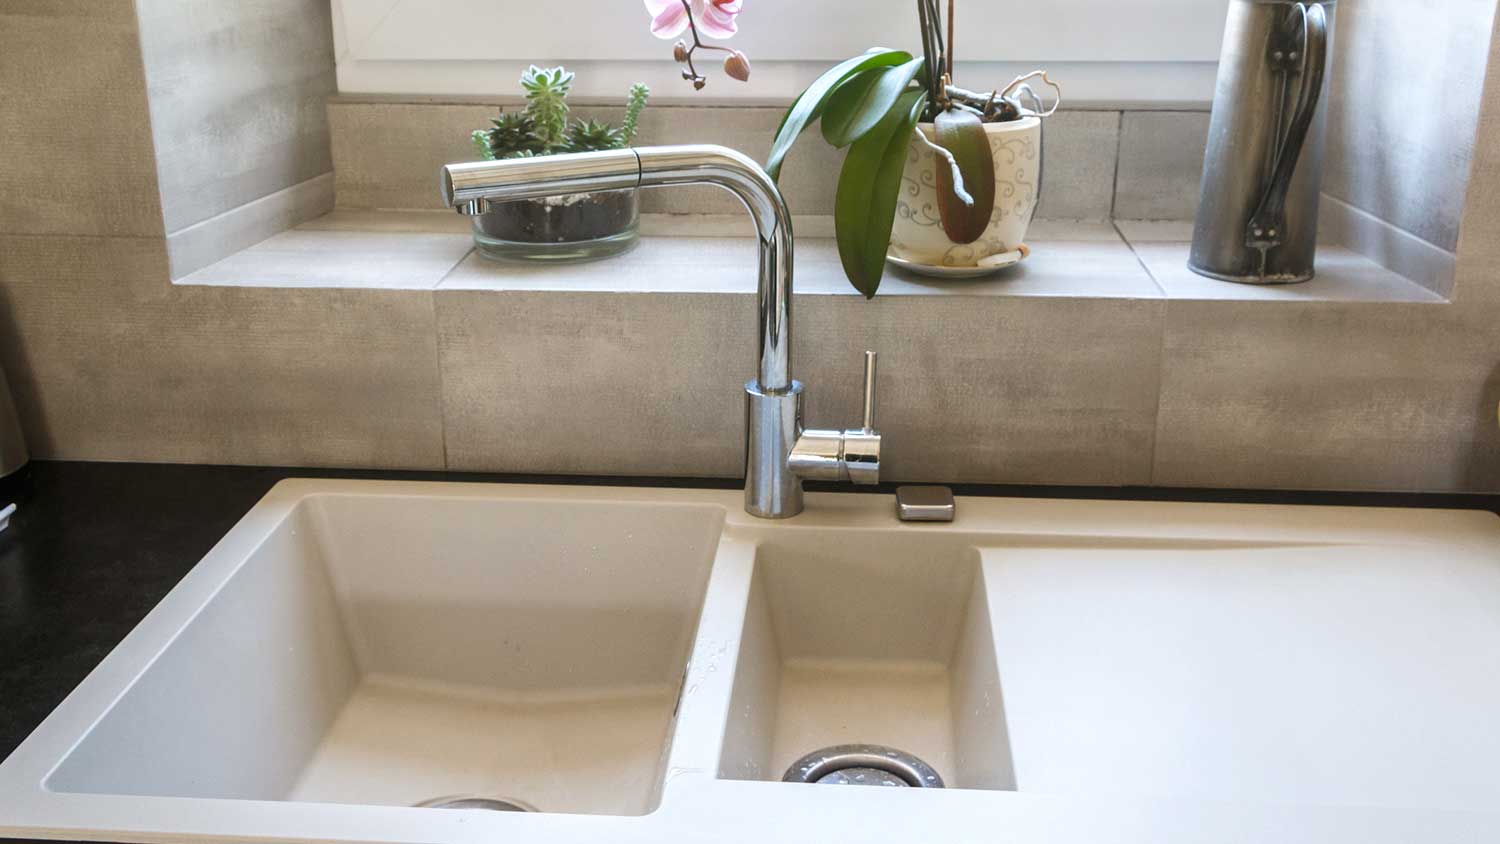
x: 809, y: 106
x: 961, y: 132
x: 869, y: 186
x: 857, y: 105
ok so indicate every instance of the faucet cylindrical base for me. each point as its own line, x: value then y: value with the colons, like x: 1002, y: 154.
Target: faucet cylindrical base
x: 772, y: 424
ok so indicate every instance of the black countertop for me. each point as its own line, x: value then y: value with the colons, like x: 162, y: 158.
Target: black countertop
x: 94, y: 546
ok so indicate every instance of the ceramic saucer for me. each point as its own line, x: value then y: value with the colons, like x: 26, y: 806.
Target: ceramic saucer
x: 988, y: 266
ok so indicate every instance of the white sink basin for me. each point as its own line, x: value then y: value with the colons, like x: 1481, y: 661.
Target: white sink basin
x: 388, y: 650
x: 644, y: 665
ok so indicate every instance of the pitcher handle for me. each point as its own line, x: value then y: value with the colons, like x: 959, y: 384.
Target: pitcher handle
x: 1268, y: 223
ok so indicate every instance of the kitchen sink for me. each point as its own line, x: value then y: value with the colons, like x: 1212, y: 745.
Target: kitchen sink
x: 650, y: 664
x: 854, y: 637
x: 387, y: 650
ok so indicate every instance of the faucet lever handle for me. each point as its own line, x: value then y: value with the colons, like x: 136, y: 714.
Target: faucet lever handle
x: 851, y: 454
x: 860, y: 452
x: 869, y: 422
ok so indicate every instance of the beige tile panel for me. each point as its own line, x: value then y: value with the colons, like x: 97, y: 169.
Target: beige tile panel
x: 1043, y: 228
x: 1079, y: 152
x: 595, y: 383
x: 430, y: 222
x: 1410, y: 172
x: 652, y: 225
x: 656, y: 265
x: 237, y: 95
x: 1161, y: 164
x: 1334, y: 395
x: 1342, y: 275
x: 1402, y: 252
x: 73, y: 121
x: 1080, y: 268
x: 1477, y: 271
x: 387, y: 155
x: 1155, y: 231
x: 998, y: 389
x: 310, y: 258
x: 1005, y: 390
x: 216, y: 238
x: 109, y: 361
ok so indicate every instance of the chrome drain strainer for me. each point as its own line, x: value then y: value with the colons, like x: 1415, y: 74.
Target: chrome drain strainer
x: 863, y: 764
x: 484, y: 803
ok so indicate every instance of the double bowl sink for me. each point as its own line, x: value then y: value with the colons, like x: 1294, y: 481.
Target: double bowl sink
x: 646, y: 665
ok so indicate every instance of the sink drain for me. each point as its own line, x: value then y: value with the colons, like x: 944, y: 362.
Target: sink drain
x: 483, y: 803
x: 863, y: 764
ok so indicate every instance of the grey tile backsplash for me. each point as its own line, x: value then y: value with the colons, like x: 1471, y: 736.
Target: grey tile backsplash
x: 1409, y: 167
x: 1161, y: 164
x: 237, y: 96
x: 386, y: 155
x: 109, y: 360
x: 73, y: 124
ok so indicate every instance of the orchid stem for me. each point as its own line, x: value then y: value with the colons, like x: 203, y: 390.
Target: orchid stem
x: 697, y: 42
x: 948, y: 48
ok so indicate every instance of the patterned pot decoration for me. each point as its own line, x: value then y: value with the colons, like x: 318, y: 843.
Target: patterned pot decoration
x: 918, y: 235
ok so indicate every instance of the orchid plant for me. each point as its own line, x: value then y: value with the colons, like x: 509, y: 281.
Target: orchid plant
x: 699, y: 18
x: 872, y: 104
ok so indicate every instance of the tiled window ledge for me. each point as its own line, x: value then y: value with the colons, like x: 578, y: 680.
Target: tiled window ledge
x: 418, y: 250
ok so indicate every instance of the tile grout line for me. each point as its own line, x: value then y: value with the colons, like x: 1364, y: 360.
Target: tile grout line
x: 437, y: 353
x: 451, y: 270
x: 1160, y: 288
x: 156, y: 238
x: 437, y: 359
x: 1161, y: 349
x: 1114, y: 182
x: 1161, y: 374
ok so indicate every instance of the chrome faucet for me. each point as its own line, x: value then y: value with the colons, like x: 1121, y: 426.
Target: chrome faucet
x: 779, y: 452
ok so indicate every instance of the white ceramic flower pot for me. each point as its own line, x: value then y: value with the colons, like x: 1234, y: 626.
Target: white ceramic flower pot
x: 918, y: 235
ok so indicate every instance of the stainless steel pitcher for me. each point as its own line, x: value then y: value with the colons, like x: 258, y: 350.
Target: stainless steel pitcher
x: 1258, y: 215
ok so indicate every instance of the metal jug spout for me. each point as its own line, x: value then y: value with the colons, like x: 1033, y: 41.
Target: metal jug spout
x: 1257, y: 217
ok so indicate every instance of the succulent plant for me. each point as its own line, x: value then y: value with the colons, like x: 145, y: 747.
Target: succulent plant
x: 634, y: 105
x: 512, y: 135
x: 591, y: 135
x: 547, y: 102
x: 543, y: 127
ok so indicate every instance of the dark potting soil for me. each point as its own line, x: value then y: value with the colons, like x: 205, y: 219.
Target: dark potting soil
x: 534, y: 221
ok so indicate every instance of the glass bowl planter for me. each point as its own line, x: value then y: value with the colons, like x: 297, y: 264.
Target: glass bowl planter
x: 578, y: 227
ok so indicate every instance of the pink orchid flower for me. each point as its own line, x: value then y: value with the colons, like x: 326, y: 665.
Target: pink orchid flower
x: 715, y: 18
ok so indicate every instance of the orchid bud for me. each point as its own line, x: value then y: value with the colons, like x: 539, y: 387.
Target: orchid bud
x: 737, y: 66
x: 680, y: 52
x: 699, y: 83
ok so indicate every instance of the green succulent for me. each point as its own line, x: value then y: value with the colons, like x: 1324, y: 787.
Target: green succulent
x: 636, y: 102
x: 547, y: 102
x: 543, y: 128
x: 591, y: 135
x: 511, y: 135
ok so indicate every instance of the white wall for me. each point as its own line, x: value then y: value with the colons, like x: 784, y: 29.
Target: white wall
x: 1104, y: 50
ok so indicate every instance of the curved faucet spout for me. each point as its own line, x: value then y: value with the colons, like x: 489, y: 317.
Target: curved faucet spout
x: 739, y: 174
x: 468, y: 186
x: 774, y: 431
